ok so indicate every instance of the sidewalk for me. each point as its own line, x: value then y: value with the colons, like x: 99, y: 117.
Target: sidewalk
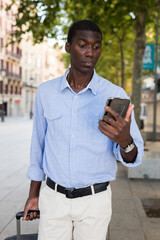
x: 129, y: 221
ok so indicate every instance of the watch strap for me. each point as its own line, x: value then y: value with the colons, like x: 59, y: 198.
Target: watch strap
x: 129, y: 148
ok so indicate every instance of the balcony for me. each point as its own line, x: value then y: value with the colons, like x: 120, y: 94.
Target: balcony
x: 13, y: 56
x: 14, y: 76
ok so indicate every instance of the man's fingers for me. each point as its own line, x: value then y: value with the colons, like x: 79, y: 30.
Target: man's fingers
x: 115, y: 114
x: 129, y: 111
x: 34, y: 215
x: 105, y: 133
x: 108, y: 130
x: 106, y: 127
x: 25, y: 215
x: 31, y: 215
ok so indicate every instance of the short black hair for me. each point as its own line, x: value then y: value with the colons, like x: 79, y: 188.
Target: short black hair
x: 82, y: 25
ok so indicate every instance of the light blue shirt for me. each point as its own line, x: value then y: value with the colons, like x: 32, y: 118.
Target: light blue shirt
x: 67, y: 145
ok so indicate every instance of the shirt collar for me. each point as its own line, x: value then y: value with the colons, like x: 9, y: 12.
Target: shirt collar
x: 64, y: 84
x: 93, y: 84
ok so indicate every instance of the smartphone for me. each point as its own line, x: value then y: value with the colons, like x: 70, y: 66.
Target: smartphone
x: 119, y: 105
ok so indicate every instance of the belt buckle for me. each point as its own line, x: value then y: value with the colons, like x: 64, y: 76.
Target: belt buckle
x: 69, y: 192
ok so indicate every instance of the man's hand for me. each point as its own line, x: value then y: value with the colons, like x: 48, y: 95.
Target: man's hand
x: 117, y: 129
x: 32, y: 201
x: 31, y: 204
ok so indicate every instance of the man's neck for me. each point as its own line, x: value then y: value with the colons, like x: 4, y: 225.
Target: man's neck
x: 78, y: 81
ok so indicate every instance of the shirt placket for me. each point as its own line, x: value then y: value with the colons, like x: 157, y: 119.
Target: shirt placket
x: 73, y: 139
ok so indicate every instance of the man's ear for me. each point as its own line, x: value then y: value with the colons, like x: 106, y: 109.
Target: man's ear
x: 67, y: 47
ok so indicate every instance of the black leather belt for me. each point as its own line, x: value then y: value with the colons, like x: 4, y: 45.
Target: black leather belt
x: 77, y: 192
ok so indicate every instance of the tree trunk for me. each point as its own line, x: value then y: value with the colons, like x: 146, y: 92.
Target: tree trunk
x: 139, y: 48
x: 123, y: 83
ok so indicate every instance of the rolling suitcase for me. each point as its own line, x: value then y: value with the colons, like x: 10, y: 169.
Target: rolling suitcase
x: 24, y: 236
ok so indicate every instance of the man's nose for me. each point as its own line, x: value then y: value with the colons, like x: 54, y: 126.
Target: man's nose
x: 89, y: 51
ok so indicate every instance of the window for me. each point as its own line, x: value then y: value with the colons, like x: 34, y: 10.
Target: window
x: 7, y: 66
x: 143, y: 114
x: 2, y: 64
x: 20, y: 52
x: 20, y: 71
x: 16, y: 90
x: 1, y: 43
x: 11, y: 89
x: 1, y: 86
x: 6, y: 89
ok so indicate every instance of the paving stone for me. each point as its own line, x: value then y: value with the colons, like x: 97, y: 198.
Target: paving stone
x: 142, y: 188
x: 125, y: 221
x: 151, y: 228
x: 126, y: 235
x: 123, y: 205
x: 120, y: 190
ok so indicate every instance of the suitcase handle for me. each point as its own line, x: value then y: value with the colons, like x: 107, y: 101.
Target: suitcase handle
x: 20, y: 214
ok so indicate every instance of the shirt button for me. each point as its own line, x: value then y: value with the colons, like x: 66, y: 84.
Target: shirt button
x: 73, y: 179
x: 72, y: 135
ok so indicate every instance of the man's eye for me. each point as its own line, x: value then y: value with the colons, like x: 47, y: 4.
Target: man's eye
x: 96, y: 47
x: 82, y: 45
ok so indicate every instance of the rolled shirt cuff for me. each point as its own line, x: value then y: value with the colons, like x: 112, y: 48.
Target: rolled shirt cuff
x: 35, y: 174
x: 138, y: 160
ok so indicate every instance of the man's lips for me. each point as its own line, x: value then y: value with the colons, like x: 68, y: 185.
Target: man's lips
x: 88, y: 64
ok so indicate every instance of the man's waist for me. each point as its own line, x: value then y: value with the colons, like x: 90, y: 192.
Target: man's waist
x: 77, y: 192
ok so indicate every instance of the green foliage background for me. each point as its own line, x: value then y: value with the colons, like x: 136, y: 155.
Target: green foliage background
x: 124, y: 25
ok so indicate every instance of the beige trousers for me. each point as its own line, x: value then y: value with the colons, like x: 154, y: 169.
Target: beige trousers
x: 84, y: 218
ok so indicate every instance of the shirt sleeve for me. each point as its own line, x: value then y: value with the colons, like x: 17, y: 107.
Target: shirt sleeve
x: 137, y: 138
x: 35, y: 170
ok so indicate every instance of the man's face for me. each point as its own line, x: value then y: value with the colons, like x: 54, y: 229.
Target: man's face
x: 84, y: 50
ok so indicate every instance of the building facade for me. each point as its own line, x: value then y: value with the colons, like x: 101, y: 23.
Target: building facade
x: 23, y: 67
x: 40, y: 63
x: 10, y: 65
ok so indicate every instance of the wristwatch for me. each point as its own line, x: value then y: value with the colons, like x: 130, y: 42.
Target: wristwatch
x: 129, y: 148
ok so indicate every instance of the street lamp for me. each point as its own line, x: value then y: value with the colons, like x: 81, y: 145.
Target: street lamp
x: 3, y: 74
x: 31, y: 106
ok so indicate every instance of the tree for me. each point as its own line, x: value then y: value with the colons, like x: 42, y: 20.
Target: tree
x: 116, y: 16
x: 144, y: 12
x: 41, y: 17
x: 117, y: 19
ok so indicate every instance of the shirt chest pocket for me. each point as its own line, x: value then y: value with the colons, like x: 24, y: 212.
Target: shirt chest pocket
x: 96, y: 135
x: 89, y: 131
x: 56, y: 123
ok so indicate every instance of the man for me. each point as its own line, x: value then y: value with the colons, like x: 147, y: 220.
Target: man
x: 76, y: 147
